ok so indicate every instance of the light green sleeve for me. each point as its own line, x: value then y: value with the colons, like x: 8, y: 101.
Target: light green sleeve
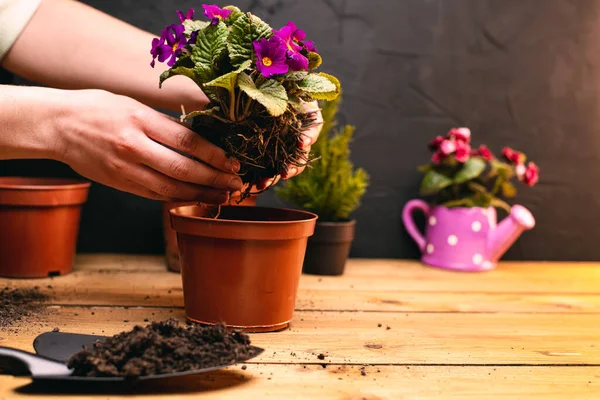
x: 14, y: 16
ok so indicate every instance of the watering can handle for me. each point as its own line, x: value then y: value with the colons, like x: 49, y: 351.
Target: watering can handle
x: 409, y: 222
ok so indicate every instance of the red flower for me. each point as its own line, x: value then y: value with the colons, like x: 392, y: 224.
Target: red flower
x: 448, y: 147
x: 532, y: 174
x: 485, y: 152
x: 434, y: 145
x: 436, y: 158
x: 463, y: 151
x: 513, y: 156
x: 460, y: 134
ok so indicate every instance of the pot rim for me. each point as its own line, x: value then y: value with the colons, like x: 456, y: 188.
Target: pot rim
x: 48, y: 183
x: 309, y: 216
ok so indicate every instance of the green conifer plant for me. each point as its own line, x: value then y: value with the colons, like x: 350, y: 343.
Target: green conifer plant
x: 330, y: 186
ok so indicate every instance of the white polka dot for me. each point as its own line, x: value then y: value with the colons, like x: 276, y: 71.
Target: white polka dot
x: 430, y: 248
x: 432, y: 221
x: 452, y: 240
x: 476, y: 226
x: 477, y: 259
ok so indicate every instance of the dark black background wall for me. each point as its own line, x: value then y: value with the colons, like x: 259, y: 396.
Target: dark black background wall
x: 523, y: 73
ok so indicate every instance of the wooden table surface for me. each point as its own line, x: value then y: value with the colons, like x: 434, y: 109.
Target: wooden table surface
x: 389, y: 330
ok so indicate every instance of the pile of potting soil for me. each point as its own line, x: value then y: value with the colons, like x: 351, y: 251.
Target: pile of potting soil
x: 15, y: 304
x: 161, y: 348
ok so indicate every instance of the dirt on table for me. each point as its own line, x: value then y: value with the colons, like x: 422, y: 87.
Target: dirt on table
x: 16, y: 304
x: 160, y: 348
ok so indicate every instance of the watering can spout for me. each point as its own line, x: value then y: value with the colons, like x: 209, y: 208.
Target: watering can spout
x: 508, y: 231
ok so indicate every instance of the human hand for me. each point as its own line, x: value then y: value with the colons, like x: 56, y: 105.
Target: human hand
x: 309, y: 137
x: 119, y: 142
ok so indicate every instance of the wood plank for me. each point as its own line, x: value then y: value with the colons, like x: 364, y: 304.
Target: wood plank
x: 163, y: 289
x: 348, y: 383
x: 395, y: 275
x: 356, y: 338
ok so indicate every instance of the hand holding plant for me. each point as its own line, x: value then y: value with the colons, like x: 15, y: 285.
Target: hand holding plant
x: 460, y: 176
x: 259, y: 82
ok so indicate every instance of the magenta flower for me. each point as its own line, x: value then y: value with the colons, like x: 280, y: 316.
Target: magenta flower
x: 434, y: 145
x: 310, y: 46
x: 292, y: 37
x: 484, y: 152
x: 463, y: 152
x: 532, y: 174
x: 271, y: 56
x: 215, y: 13
x: 513, y: 156
x: 189, y: 15
x: 447, y: 147
x: 175, y: 43
x: 462, y: 134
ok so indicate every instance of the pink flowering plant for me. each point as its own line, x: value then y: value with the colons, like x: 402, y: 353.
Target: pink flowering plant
x: 462, y: 176
x: 259, y: 82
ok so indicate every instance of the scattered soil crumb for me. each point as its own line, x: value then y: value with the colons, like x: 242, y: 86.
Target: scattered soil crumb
x: 244, y: 367
x: 55, y: 330
x: 362, y: 371
x: 162, y: 347
x: 125, y: 320
x: 324, y: 365
x: 387, y: 328
x: 93, y: 313
x: 146, y: 320
x: 321, y: 356
x: 15, y: 304
x: 379, y: 325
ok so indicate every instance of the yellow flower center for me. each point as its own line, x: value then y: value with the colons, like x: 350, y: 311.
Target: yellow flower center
x: 175, y: 46
x: 290, y: 48
x: 267, y: 62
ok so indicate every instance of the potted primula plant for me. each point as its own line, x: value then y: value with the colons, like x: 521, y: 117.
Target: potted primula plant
x: 241, y: 265
x: 332, y: 189
x: 464, y: 186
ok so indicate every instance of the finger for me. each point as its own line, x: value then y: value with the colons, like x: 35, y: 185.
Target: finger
x: 179, y: 137
x: 267, y: 183
x: 175, y: 190
x: 311, y: 135
x: 139, y: 190
x: 294, y: 170
x: 185, y: 169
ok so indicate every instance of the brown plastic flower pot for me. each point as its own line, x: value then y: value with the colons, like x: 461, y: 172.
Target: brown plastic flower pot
x: 39, y: 224
x: 171, y: 250
x: 242, y: 268
x: 329, y: 247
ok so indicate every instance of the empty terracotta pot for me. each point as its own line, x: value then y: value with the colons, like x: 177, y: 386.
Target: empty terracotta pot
x: 171, y: 251
x: 329, y: 247
x: 39, y: 225
x: 242, y: 268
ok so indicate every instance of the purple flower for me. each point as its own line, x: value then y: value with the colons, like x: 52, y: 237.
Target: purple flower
x: 189, y: 15
x: 292, y: 37
x: 175, y: 42
x: 271, y: 56
x: 215, y: 13
x: 310, y: 46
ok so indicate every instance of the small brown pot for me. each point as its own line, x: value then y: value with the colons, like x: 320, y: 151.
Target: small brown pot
x: 171, y: 251
x: 329, y: 247
x: 243, y: 268
x: 39, y: 224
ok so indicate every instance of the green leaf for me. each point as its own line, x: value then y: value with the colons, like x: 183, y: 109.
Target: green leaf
x: 508, y: 189
x: 433, y: 182
x: 235, y: 14
x: 470, y: 170
x: 321, y: 86
x: 229, y: 80
x: 464, y: 202
x: 210, y: 111
x: 425, y: 168
x: 314, y: 60
x: 193, y: 26
x: 496, y: 202
x: 189, y: 72
x: 246, y: 29
x: 295, y: 76
x: 211, y: 46
x: 476, y: 187
x: 271, y: 94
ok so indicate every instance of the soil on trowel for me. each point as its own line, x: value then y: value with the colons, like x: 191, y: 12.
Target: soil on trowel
x: 17, y: 304
x: 161, y: 348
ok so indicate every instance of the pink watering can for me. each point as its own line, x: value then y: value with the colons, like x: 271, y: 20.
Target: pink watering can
x: 465, y: 238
